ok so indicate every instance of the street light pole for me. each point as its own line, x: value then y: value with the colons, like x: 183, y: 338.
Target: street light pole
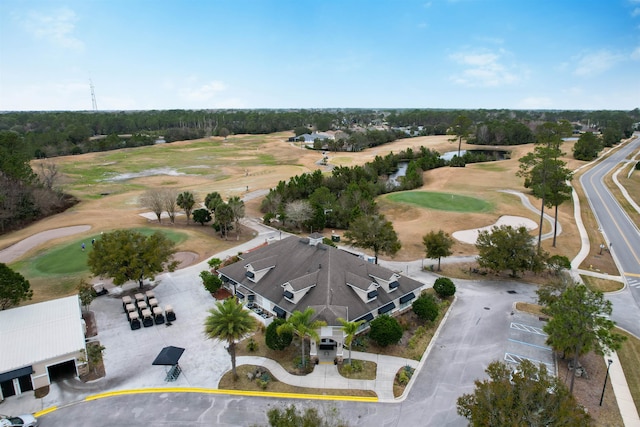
x: 609, y: 361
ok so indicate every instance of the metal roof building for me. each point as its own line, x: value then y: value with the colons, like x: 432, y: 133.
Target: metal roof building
x: 40, y: 343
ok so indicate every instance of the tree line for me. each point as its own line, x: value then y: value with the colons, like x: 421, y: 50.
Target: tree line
x: 48, y: 134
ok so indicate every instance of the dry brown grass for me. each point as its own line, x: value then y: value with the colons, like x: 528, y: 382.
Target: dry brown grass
x: 629, y: 356
x: 588, y: 391
x: 284, y: 357
x: 631, y: 185
x: 602, y: 285
x: 530, y: 308
x: 232, y: 171
x: 274, y: 386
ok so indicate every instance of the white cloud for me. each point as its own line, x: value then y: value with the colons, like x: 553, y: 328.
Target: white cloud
x: 594, y: 63
x: 635, y: 12
x: 57, y: 27
x: 484, y: 68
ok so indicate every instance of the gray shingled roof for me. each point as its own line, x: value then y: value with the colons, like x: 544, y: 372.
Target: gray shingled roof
x: 297, y: 261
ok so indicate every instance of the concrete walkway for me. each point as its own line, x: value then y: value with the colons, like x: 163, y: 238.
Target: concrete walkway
x: 326, y: 376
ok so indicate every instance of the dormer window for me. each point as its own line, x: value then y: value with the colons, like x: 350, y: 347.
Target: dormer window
x: 288, y: 295
x: 372, y: 294
x: 394, y: 285
x: 250, y: 274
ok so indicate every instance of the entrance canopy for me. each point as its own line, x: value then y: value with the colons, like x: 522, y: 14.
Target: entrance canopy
x: 169, y: 356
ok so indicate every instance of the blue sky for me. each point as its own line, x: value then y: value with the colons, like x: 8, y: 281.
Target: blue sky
x: 161, y: 54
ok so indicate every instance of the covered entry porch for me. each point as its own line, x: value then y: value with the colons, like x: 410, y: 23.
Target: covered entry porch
x: 329, y: 349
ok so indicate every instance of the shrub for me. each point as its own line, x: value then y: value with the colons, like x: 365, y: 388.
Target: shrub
x: 274, y: 340
x: 210, y: 281
x: 252, y: 345
x: 263, y: 380
x: 403, y: 378
x: 425, y: 307
x: 356, y: 365
x: 301, y: 364
x: 214, y: 263
x: 385, y: 330
x: 444, y: 287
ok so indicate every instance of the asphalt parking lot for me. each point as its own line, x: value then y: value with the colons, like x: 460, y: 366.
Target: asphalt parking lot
x: 526, y: 340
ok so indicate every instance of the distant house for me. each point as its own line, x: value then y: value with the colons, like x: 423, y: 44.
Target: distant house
x: 310, y: 138
x: 297, y: 273
x: 39, y: 344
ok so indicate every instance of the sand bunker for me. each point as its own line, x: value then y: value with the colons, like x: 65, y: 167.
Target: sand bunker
x: 185, y: 259
x: 471, y: 236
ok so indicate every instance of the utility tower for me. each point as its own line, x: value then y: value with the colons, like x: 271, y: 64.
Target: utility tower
x: 94, y: 104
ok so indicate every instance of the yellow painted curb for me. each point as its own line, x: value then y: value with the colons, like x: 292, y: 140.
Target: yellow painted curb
x: 231, y: 392
x: 44, y: 411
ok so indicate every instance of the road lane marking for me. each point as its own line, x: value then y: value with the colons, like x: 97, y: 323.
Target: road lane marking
x: 516, y: 358
x: 606, y: 207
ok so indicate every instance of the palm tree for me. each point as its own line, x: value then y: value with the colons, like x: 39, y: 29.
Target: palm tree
x: 350, y: 329
x: 186, y: 201
x: 301, y: 325
x: 237, y: 207
x: 229, y: 322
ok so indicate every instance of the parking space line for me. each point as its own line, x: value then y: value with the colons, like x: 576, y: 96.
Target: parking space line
x: 527, y: 328
x: 515, y: 358
x: 529, y: 344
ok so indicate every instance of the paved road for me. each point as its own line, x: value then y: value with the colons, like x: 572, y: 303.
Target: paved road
x: 619, y: 234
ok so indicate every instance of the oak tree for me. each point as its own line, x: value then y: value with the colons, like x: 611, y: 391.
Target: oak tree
x: 526, y: 396
x: 129, y: 255
x: 508, y: 248
x: 437, y: 245
x: 373, y: 232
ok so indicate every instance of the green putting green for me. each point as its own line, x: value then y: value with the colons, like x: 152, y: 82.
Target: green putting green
x: 441, y: 201
x: 70, y: 258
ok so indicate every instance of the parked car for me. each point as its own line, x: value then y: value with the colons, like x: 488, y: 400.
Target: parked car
x: 19, y: 421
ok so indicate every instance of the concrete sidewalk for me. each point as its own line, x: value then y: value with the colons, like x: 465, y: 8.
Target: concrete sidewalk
x: 326, y: 376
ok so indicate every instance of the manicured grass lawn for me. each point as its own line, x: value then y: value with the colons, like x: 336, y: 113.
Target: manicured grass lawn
x: 70, y: 259
x: 441, y: 201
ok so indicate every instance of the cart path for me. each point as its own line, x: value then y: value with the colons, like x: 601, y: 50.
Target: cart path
x: 22, y: 247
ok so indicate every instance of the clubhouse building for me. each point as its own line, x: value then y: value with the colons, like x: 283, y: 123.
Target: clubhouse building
x: 297, y: 273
